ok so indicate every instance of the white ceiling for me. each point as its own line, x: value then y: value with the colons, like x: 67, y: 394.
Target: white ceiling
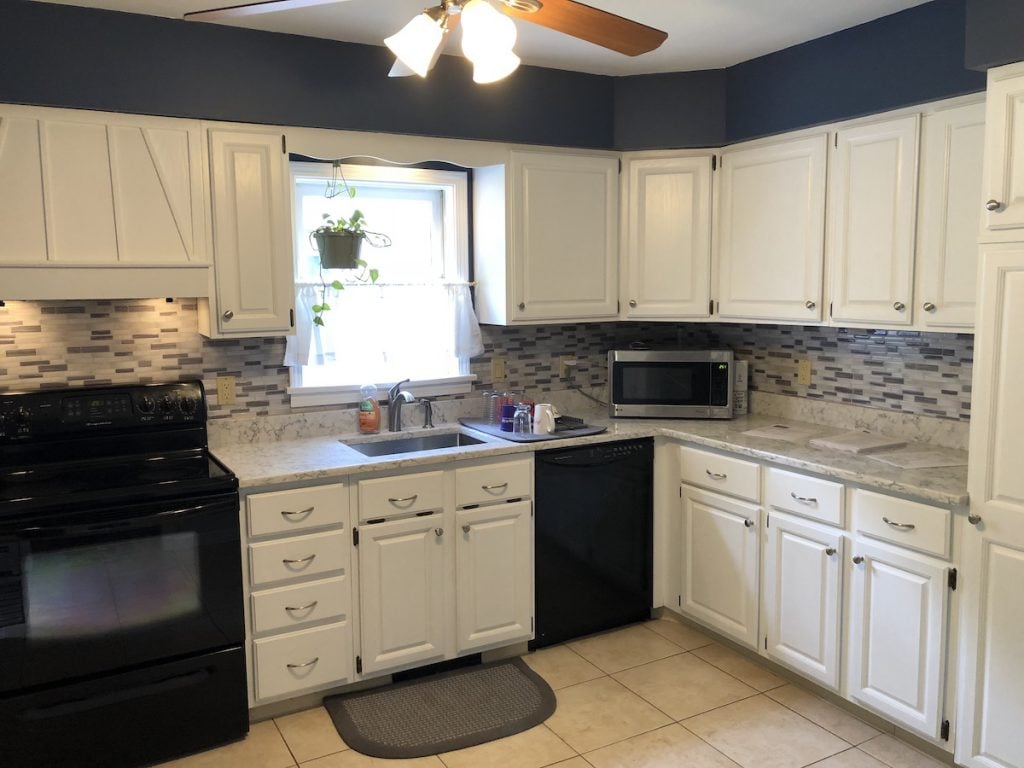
x: 702, y: 34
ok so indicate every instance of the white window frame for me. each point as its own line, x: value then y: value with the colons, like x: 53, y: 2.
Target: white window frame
x: 454, y: 186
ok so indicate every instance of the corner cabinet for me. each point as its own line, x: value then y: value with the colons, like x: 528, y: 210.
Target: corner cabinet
x: 546, y: 238
x: 254, y: 291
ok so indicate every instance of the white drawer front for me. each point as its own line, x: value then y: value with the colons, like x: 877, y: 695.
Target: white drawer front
x: 301, y: 604
x: 492, y: 482
x: 720, y: 473
x: 390, y: 496
x: 298, y: 557
x: 298, y: 509
x: 301, y: 660
x: 805, y: 496
x: 906, y: 523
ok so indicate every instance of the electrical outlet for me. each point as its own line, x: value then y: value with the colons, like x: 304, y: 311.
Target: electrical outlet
x: 226, y: 394
x: 803, y: 372
x: 498, y: 369
x: 565, y: 365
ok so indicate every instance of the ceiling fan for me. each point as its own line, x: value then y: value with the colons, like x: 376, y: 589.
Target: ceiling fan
x: 488, y: 36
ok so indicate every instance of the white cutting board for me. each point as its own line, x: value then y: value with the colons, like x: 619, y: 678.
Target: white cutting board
x: 858, y: 441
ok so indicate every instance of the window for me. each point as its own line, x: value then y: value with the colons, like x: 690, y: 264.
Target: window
x: 416, y: 321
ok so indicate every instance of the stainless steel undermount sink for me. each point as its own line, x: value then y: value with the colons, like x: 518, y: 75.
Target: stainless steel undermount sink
x: 414, y: 444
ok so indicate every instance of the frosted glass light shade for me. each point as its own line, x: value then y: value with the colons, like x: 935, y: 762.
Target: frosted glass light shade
x: 494, y: 67
x: 485, y: 30
x: 418, y: 44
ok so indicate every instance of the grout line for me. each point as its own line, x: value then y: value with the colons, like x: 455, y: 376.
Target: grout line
x: 791, y: 709
x: 280, y: 733
x: 705, y: 741
x: 841, y: 752
x: 545, y: 726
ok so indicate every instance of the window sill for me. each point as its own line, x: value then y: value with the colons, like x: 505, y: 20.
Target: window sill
x: 306, y: 397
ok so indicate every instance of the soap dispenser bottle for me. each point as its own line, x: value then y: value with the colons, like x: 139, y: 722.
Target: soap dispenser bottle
x: 369, y: 410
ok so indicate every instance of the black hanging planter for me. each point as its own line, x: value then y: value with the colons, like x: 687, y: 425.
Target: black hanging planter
x: 338, y: 250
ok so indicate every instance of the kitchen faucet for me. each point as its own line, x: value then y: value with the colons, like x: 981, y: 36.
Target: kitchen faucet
x: 396, y: 397
x: 428, y: 413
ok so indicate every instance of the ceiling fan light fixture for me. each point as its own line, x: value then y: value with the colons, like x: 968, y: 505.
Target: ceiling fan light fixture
x: 524, y: 6
x: 490, y: 69
x: 418, y: 44
x: 485, y: 31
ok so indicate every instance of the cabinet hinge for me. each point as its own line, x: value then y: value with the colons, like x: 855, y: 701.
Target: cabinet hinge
x: 767, y: 521
x: 284, y: 144
x: 359, y: 665
x: 830, y: 309
x: 531, y: 623
x: 835, y: 139
x: 714, y: 162
x: 355, y: 537
x: 620, y: 165
x: 291, y: 317
x: 618, y: 307
x: 766, y: 642
x: 944, y: 731
x: 711, y: 306
x: 679, y: 599
x: 952, y: 579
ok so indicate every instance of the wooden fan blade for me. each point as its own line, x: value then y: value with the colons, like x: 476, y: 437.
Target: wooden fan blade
x: 254, y: 9
x: 595, y: 26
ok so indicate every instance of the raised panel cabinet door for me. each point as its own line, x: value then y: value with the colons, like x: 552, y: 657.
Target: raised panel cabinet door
x: 668, y: 254
x: 252, y: 249
x: 493, y: 575
x: 1003, y: 196
x: 720, y: 563
x: 564, y: 229
x: 802, y: 582
x: 952, y: 146
x: 872, y: 212
x: 897, y: 636
x: 991, y: 681
x: 402, y: 595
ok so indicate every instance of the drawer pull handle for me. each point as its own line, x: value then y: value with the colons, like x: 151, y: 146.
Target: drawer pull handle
x: 309, y: 663
x: 857, y: 559
x: 716, y: 475
x: 300, y: 513
x: 899, y: 526
x: 439, y: 532
x: 803, y: 499
x: 748, y: 523
x: 297, y: 561
x: 404, y: 499
x: 466, y: 528
x: 300, y: 608
x: 830, y: 551
x: 974, y: 519
x: 494, y: 487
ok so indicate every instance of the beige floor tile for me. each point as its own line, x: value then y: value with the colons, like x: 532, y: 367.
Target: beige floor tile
x: 534, y: 748
x: 600, y: 712
x: 828, y: 716
x: 760, y: 733
x: 683, y: 635
x: 851, y: 758
x: 672, y: 745
x: 624, y: 648
x: 683, y: 686
x: 897, y: 754
x: 560, y: 666
x: 576, y: 762
x: 310, y: 734
x: 739, y: 666
x: 353, y: 759
x: 262, y: 748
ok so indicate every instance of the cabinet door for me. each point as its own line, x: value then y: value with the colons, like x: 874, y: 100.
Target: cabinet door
x: 991, y: 689
x: 251, y: 233
x: 668, y: 256
x: 872, y: 200
x: 720, y: 566
x: 802, y: 575
x: 771, y: 231
x: 952, y: 145
x: 402, y: 596
x: 564, y: 236
x: 1003, y: 197
x: 494, y: 575
x: 896, y: 653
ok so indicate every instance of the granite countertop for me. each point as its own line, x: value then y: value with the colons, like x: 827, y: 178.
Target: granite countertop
x: 316, y: 458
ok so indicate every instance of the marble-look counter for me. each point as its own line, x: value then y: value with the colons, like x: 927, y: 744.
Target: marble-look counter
x: 315, y: 458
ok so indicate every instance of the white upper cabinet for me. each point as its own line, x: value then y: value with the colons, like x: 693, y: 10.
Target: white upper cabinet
x: 952, y: 146
x: 252, y: 240
x: 1003, y: 196
x: 771, y: 206
x: 89, y: 191
x: 872, y: 203
x: 546, y: 238
x: 668, y: 238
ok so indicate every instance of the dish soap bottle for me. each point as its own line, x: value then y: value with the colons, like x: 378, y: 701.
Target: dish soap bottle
x: 369, y: 410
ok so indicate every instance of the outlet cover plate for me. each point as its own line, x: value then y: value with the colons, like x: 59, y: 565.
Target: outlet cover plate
x: 226, y: 394
x: 803, y: 372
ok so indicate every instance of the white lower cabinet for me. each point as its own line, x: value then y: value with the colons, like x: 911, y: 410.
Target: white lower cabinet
x: 298, y: 661
x: 801, y: 594
x: 896, y: 645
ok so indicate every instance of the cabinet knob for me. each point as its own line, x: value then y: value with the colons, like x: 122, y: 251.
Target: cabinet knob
x: 810, y: 304
x: 994, y: 206
x: 439, y: 532
x: 830, y: 551
x: 749, y: 523
x: 929, y: 306
x: 974, y: 519
x: 899, y: 306
x: 466, y: 529
x: 632, y: 302
x: 228, y: 314
x: 522, y: 305
x: 857, y: 559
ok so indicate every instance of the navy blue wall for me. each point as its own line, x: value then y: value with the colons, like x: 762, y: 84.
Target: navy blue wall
x: 995, y: 33
x: 677, y: 109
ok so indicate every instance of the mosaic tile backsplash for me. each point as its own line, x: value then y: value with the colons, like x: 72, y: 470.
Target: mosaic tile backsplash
x: 59, y: 344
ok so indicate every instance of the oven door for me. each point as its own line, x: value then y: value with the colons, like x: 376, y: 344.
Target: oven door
x: 91, y: 591
x: 668, y: 388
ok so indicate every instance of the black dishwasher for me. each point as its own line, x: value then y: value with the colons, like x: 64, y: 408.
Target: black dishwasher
x: 594, y: 520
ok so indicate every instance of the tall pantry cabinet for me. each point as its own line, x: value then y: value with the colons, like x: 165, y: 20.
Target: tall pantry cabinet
x: 991, y: 685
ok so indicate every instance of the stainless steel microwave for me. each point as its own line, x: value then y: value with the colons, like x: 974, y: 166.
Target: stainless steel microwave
x: 672, y: 384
